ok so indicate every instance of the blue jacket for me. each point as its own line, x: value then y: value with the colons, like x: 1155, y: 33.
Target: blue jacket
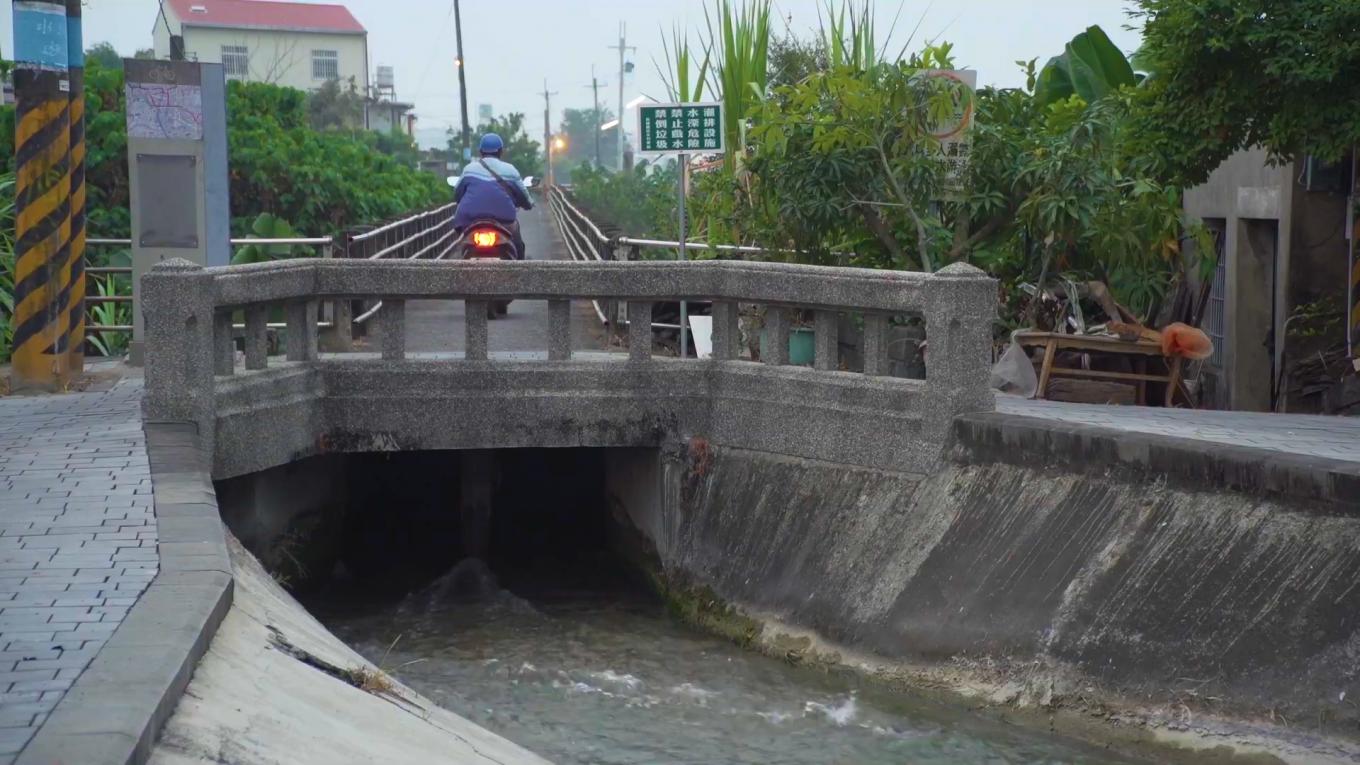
x: 479, y: 195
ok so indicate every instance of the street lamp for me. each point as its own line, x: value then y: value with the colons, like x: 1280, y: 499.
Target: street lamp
x: 556, y: 144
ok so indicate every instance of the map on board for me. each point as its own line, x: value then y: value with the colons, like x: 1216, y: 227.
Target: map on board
x: 157, y: 110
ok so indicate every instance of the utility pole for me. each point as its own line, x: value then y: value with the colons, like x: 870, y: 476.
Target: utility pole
x: 42, y: 268
x: 75, y: 304
x: 623, y: 69
x: 595, y: 86
x: 547, y: 131
x: 462, y: 77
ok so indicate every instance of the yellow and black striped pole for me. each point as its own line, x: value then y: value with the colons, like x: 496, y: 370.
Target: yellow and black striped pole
x: 42, y: 195
x: 1353, y: 254
x: 75, y: 304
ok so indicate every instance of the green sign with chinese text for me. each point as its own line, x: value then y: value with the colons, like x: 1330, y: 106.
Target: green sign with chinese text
x: 680, y: 128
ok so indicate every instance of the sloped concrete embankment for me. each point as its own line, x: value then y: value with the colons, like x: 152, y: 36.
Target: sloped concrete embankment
x: 260, y: 696
x: 1103, y: 593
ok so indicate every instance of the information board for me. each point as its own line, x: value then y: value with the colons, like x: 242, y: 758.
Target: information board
x: 164, y: 101
x: 694, y: 128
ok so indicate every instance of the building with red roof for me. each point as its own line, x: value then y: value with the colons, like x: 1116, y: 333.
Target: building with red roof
x: 299, y: 45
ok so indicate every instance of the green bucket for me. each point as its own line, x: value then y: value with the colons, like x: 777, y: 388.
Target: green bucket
x: 802, y: 350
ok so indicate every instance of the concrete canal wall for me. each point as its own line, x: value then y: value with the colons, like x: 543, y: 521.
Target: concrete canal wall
x: 1034, y: 569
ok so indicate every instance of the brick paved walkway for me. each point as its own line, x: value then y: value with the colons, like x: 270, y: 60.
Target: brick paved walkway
x: 77, y: 542
x: 1335, y: 438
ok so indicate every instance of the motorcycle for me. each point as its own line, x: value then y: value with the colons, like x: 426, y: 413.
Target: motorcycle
x: 486, y: 239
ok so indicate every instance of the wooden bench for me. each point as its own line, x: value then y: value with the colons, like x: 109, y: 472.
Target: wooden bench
x: 1140, y: 351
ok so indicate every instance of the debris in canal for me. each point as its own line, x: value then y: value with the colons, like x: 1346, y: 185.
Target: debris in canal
x: 367, y: 679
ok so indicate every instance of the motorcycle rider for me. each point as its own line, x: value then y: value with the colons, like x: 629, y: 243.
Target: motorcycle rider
x: 491, y: 188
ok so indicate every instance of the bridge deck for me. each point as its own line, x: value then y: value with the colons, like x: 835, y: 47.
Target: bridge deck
x: 438, y: 325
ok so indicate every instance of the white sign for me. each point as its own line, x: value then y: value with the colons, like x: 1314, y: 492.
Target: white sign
x: 956, y: 134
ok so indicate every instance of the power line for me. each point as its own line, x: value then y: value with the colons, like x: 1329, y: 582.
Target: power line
x: 429, y: 59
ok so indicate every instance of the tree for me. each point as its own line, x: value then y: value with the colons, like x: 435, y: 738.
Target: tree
x: 580, y: 128
x: 868, y: 133
x: 1229, y: 74
x: 521, y: 151
x: 1091, y: 67
x: 145, y: 53
x: 334, y: 106
x: 103, y: 54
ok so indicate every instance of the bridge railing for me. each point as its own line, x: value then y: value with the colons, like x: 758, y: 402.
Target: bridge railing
x: 586, y: 241
x: 189, y: 312
x: 424, y: 234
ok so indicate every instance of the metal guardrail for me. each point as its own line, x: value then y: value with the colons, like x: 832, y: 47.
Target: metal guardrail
x: 90, y: 299
x: 412, y: 237
x: 429, y: 230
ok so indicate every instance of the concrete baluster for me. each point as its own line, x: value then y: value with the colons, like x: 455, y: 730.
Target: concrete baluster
x: 639, y: 330
x: 777, y: 323
x: 726, y: 331
x: 257, y: 337
x: 393, y: 319
x: 559, y: 330
x: 300, y: 340
x: 224, y: 345
x: 827, y: 341
x: 474, y: 329
x: 178, y: 305
x: 961, y: 308
x: 875, y: 345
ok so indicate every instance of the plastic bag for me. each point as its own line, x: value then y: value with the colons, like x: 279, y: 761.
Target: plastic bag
x: 1014, y: 372
x: 1183, y: 340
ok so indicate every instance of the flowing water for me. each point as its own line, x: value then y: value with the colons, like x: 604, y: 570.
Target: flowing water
x: 605, y: 676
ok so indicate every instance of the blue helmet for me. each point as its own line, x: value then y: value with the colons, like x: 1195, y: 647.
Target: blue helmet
x: 491, y: 144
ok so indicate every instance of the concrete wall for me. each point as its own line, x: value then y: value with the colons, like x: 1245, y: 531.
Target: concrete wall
x: 278, y: 57
x: 1284, y: 246
x: 1110, y: 591
x: 270, y: 418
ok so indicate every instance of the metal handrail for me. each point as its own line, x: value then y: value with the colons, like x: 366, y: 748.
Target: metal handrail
x: 672, y: 245
x: 235, y: 242
x: 562, y: 198
x: 559, y: 218
x: 314, y: 241
x: 404, y: 221
x: 370, y: 313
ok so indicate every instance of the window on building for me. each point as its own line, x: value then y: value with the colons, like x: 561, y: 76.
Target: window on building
x: 235, y: 61
x: 325, y: 65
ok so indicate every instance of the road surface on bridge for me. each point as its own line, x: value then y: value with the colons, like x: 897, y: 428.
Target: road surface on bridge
x: 438, y: 325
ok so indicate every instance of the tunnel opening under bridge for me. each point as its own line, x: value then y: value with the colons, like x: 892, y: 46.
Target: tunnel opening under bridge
x: 382, y: 525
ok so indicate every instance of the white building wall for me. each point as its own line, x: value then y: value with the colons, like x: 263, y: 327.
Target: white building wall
x: 282, y: 58
x: 279, y: 57
x: 160, y: 36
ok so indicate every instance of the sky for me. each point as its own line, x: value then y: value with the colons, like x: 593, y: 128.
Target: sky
x: 512, y: 46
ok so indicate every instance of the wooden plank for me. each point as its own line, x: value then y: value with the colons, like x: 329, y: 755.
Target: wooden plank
x: 1174, y: 381
x: 1050, y: 350
x: 1093, y: 343
x: 1092, y: 392
x: 1095, y: 374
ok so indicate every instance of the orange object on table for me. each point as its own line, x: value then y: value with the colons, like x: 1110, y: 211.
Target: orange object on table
x: 1187, y: 342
